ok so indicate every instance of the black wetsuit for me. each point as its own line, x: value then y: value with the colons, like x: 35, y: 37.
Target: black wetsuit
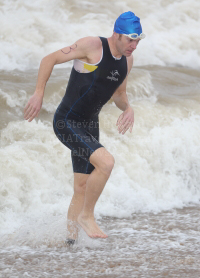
x: 76, y: 122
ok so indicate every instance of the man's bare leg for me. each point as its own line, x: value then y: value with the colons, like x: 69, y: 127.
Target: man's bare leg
x: 103, y: 162
x: 76, y: 204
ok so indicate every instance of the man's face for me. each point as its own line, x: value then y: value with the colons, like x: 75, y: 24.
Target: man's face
x: 125, y: 45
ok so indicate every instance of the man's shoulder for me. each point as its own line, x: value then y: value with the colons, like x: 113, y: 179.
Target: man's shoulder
x: 130, y: 62
x: 130, y: 59
x: 92, y: 43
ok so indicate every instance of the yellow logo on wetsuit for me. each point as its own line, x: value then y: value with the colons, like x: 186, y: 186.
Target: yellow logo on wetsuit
x: 83, y: 67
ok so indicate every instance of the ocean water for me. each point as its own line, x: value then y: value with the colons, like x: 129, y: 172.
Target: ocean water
x: 151, y: 203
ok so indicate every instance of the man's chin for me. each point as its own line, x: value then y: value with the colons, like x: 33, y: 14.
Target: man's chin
x: 128, y: 54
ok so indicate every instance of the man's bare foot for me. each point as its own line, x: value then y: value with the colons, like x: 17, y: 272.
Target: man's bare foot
x: 90, y: 227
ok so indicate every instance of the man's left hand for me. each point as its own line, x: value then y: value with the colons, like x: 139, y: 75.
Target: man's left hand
x: 126, y: 120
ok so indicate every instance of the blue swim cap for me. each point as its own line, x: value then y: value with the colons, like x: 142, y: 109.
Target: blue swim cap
x: 128, y: 23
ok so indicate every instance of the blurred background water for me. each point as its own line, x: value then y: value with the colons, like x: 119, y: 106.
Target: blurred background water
x: 150, y: 205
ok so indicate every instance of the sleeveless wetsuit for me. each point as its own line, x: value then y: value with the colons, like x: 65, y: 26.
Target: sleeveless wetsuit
x: 76, y: 122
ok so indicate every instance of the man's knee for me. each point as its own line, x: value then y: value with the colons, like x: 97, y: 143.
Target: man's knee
x: 107, y: 165
x: 103, y: 161
x: 79, y: 189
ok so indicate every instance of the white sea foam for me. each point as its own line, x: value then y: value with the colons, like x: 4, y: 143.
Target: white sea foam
x: 157, y: 167
x: 32, y: 29
x: 37, y: 178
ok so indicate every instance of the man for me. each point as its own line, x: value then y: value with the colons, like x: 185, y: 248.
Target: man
x: 100, y: 71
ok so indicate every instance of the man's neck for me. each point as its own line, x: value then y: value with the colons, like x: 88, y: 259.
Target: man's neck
x: 113, y: 48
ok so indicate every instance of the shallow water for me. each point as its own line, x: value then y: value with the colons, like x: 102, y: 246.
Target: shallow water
x: 150, y: 205
x: 166, y: 244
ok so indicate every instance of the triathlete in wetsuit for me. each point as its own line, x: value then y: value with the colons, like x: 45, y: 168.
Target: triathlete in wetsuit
x: 100, y: 72
x: 76, y: 121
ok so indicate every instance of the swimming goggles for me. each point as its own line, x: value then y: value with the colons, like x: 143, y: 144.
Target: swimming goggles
x: 135, y: 36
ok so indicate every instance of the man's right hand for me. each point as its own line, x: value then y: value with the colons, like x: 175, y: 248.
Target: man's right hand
x: 33, y: 107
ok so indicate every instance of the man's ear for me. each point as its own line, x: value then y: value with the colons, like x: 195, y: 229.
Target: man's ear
x: 116, y: 35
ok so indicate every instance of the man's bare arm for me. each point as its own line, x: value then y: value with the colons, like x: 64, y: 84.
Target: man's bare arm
x: 126, y: 119
x: 47, y: 64
x: 79, y: 50
x: 120, y: 97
